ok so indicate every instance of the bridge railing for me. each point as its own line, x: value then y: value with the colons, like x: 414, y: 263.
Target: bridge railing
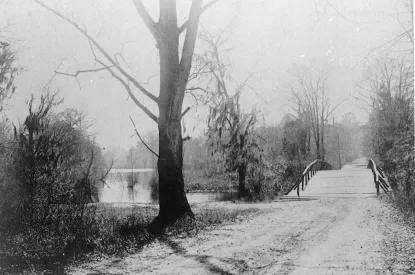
x: 308, y: 173
x: 378, y: 177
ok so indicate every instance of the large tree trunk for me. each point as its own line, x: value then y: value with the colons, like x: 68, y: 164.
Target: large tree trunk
x: 172, y: 199
x: 173, y: 79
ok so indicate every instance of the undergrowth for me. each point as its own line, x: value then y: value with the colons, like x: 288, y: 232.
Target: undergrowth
x: 405, y: 204
x: 104, y: 230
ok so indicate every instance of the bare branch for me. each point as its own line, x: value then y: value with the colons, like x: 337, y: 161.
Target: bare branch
x: 196, y: 88
x: 208, y: 5
x: 101, y: 49
x: 335, y: 107
x: 151, y: 25
x: 393, y: 40
x: 190, y: 39
x: 83, y: 71
x: 75, y: 75
x: 125, y: 84
x: 128, y: 89
x: 185, y: 111
x: 145, y: 144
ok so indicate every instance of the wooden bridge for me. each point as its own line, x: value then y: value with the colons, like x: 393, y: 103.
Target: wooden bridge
x: 361, y: 178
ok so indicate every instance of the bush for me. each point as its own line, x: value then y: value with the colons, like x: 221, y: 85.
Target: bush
x: 74, y: 231
x: 405, y: 203
x: 261, y: 183
x: 199, y: 181
x: 52, y: 163
x: 102, y: 230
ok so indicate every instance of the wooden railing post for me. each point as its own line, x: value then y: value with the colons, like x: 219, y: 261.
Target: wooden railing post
x: 308, y: 173
x: 378, y: 177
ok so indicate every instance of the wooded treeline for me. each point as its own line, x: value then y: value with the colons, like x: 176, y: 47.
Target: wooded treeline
x: 390, y: 137
x: 387, y: 90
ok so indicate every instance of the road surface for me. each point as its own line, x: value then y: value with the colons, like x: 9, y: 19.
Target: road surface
x: 321, y: 235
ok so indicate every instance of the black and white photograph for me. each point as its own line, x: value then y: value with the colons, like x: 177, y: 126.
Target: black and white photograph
x: 207, y: 137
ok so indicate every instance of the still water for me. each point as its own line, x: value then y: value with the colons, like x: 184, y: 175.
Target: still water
x: 127, y: 185
x: 132, y: 186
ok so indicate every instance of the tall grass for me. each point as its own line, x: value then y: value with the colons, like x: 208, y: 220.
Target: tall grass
x: 405, y: 203
x: 102, y: 230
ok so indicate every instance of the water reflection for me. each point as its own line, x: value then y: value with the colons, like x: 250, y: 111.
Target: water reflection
x: 132, y: 186
x: 127, y: 185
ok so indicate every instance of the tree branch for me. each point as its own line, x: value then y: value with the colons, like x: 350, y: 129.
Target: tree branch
x: 126, y: 86
x: 142, y: 11
x: 185, y: 111
x: 190, y: 40
x: 128, y: 89
x: 75, y: 75
x: 101, y: 49
x: 145, y: 144
x: 208, y: 5
x: 196, y: 88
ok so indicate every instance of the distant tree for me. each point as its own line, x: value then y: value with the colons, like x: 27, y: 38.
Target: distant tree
x: 197, y: 155
x: 295, y: 140
x: 350, y: 136
x: 272, y: 142
x: 309, y: 93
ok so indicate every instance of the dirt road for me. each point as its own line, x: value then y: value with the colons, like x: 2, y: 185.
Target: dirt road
x: 323, y: 236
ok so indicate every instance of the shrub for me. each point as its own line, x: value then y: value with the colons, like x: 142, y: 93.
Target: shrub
x: 199, y: 181
x: 405, y: 203
x: 101, y: 230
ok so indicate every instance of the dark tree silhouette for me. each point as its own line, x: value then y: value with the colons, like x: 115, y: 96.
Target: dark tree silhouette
x: 174, y: 74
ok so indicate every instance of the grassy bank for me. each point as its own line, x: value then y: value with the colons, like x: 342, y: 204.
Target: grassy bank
x: 405, y: 204
x: 104, y: 230
x: 201, y: 181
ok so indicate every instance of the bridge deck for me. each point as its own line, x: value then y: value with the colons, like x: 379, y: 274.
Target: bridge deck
x: 353, y: 180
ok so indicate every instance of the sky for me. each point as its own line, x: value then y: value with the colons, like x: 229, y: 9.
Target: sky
x: 268, y: 38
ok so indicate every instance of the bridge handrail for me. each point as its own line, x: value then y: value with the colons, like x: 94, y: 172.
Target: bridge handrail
x: 313, y: 167
x: 378, y: 176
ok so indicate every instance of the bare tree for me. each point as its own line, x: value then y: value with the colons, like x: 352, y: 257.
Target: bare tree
x: 230, y: 129
x: 174, y: 75
x: 389, y: 86
x: 309, y: 94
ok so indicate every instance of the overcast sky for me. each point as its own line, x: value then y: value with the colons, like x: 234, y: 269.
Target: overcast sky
x: 268, y: 37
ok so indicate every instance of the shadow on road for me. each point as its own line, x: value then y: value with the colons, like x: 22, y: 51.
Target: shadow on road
x: 205, y: 260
